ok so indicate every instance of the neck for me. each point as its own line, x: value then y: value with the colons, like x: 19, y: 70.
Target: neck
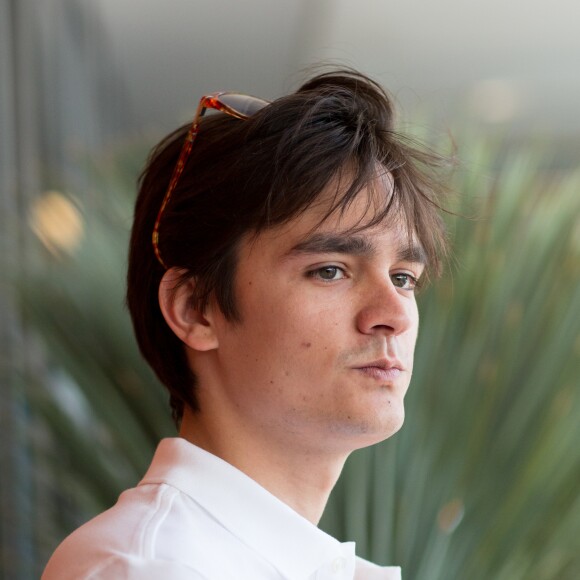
x: 299, y: 476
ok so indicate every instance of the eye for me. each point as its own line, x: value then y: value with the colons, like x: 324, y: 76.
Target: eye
x: 328, y: 273
x: 405, y: 281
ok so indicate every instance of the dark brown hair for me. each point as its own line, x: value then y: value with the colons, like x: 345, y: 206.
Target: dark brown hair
x: 247, y: 175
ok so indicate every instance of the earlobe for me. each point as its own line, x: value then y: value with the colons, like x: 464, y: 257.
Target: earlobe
x: 190, y: 325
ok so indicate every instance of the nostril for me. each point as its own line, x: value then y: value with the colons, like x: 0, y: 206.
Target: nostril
x: 393, y: 316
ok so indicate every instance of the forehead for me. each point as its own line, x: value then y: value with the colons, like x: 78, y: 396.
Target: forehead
x: 360, y: 226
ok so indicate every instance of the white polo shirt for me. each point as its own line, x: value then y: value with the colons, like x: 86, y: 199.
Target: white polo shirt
x: 194, y: 516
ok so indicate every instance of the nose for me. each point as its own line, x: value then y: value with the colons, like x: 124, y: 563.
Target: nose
x: 386, y: 309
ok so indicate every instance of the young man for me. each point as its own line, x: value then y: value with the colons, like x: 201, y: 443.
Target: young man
x: 277, y: 305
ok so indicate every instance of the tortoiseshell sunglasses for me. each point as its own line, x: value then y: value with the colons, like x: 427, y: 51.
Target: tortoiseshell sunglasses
x: 233, y: 104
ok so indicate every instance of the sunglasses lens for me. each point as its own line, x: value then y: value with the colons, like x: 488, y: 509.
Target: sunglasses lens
x: 243, y: 104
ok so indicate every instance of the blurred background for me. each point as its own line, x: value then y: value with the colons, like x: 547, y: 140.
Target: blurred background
x: 483, y: 481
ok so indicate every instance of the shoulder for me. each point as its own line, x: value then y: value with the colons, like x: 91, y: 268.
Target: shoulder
x: 154, y: 531
x: 123, y: 536
x: 125, y: 567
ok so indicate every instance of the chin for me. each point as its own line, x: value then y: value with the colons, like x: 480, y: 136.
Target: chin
x: 379, y: 428
x: 384, y: 435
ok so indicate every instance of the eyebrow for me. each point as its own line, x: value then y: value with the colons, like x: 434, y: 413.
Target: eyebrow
x: 321, y: 243
x: 330, y: 243
x: 412, y: 253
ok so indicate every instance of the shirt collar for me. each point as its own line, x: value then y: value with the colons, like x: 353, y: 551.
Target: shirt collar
x: 295, y: 546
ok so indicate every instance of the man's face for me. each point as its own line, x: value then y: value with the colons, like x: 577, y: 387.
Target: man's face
x: 324, y: 351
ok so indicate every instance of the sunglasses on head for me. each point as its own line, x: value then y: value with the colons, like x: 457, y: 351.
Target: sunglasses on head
x: 233, y: 104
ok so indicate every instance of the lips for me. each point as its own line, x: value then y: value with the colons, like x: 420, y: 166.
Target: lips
x: 383, y: 369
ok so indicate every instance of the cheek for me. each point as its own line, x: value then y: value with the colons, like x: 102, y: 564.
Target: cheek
x: 294, y: 341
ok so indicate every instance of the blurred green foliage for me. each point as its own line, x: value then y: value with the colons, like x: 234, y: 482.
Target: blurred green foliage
x: 483, y: 480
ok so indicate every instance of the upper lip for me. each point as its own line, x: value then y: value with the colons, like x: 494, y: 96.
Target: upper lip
x: 383, y: 363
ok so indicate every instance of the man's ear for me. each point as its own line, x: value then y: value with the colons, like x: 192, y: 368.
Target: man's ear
x: 193, y: 327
